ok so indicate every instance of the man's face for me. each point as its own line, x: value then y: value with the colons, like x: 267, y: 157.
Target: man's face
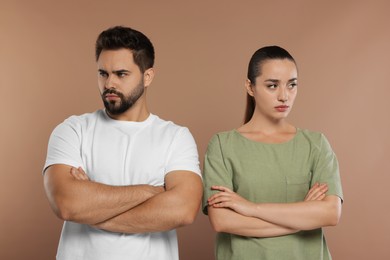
x: 121, y: 83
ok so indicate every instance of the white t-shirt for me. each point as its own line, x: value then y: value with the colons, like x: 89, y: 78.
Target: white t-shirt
x: 117, y: 152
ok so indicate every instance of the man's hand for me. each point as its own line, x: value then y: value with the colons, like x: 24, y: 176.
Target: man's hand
x: 73, y: 196
x: 79, y: 174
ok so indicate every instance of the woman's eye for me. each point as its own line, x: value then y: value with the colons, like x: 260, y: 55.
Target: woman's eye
x: 273, y: 86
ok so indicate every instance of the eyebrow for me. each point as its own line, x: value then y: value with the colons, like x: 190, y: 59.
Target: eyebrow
x: 277, y: 80
x: 120, y: 71
x: 114, y: 71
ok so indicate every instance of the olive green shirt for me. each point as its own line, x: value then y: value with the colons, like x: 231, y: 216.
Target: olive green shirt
x: 271, y: 173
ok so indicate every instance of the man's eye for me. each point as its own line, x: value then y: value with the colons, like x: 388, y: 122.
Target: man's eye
x: 102, y: 74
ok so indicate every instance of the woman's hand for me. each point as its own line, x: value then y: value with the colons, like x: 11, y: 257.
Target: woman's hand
x: 226, y: 198
x: 317, y: 192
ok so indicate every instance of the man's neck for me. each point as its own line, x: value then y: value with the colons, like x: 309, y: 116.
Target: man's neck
x: 132, y: 114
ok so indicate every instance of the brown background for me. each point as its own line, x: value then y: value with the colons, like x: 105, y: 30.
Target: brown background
x: 47, y: 73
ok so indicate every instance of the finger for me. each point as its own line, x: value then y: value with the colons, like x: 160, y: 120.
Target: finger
x: 315, y: 189
x: 311, y: 193
x: 318, y: 193
x: 74, y: 173
x: 221, y: 205
x: 221, y: 188
x: 79, y: 175
x: 83, y: 174
x: 322, y: 197
x: 219, y: 199
x: 81, y: 170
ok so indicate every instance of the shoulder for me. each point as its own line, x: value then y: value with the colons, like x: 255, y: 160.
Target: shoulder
x: 223, y: 138
x: 224, y: 135
x: 316, y: 139
x: 78, y: 122
x: 83, y: 118
x: 168, y: 128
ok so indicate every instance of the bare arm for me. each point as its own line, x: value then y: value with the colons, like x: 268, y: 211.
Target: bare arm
x: 304, y: 215
x: 88, y: 202
x: 175, y: 207
x: 228, y: 221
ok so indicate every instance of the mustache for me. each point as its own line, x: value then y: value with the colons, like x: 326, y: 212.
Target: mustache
x: 111, y: 91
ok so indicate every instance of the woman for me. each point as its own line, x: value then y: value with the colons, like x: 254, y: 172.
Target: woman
x: 270, y: 187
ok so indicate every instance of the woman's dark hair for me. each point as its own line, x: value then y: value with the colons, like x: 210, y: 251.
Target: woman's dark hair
x: 254, y: 70
x: 119, y: 37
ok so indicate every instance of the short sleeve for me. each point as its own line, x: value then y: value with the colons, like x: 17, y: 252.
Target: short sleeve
x: 183, y: 155
x: 214, y: 171
x: 326, y: 168
x: 64, y: 146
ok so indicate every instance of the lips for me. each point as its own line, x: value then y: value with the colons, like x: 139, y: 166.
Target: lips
x: 111, y: 96
x: 282, y: 108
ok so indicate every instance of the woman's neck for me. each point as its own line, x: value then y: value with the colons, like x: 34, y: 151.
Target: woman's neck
x: 268, y: 131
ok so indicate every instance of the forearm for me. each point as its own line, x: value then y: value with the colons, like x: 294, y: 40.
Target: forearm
x: 90, y: 202
x: 305, y: 215
x: 165, y: 211
x: 229, y: 221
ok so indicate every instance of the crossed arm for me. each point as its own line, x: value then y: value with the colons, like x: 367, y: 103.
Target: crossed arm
x: 127, y: 209
x: 229, y: 212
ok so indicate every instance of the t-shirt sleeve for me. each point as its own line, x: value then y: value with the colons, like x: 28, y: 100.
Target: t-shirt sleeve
x: 183, y: 153
x: 215, y: 171
x: 64, y: 146
x: 326, y: 168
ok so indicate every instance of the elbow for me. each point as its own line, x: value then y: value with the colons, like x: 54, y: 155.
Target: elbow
x: 334, y: 219
x: 63, y: 210
x: 334, y: 215
x: 219, y: 220
x: 221, y: 225
x: 188, y: 220
x: 332, y: 211
x: 217, y: 227
x: 65, y: 214
x: 187, y: 216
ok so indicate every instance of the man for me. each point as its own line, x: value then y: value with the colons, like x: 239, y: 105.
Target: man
x: 122, y: 178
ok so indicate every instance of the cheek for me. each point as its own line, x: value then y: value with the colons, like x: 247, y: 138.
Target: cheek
x: 293, y: 95
x: 100, y: 85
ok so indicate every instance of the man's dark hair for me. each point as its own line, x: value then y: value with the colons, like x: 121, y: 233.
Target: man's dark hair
x: 120, y: 37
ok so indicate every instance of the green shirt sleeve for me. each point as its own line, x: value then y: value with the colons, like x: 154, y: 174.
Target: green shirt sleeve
x: 326, y: 168
x: 214, y: 171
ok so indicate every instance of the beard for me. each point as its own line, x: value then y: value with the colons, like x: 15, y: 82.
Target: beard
x: 126, y: 102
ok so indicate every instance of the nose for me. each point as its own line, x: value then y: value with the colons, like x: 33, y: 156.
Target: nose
x: 109, y: 82
x: 282, y: 95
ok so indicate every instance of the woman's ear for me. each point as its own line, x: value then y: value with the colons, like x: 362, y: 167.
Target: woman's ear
x: 249, y: 87
x: 148, y: 77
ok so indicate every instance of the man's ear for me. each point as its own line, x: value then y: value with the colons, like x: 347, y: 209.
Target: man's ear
x: 148, y: 77
x: 249, y: 87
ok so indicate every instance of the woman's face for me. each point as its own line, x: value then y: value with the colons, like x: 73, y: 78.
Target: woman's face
x: 275, y: 88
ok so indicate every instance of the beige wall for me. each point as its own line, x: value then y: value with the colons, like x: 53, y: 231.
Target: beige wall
x: 47, y: 72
